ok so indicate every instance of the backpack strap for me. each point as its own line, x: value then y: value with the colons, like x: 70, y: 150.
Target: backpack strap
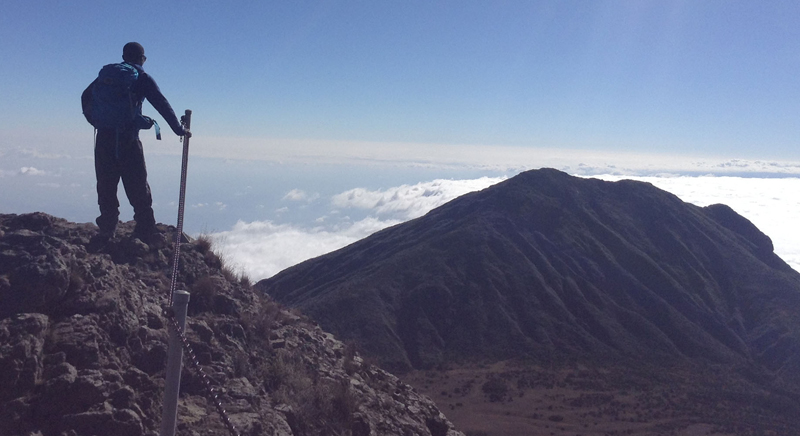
x: 143, y: 122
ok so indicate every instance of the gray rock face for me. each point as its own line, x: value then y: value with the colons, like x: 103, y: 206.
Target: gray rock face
x: 83, y: 347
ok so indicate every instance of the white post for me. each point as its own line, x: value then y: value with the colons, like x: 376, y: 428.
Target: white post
x: 169, y: 414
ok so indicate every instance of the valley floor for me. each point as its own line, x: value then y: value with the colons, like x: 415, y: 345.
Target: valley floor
x: 514, y: 399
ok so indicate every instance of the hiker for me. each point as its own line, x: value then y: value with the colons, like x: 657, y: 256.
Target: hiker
x: 117, y: 116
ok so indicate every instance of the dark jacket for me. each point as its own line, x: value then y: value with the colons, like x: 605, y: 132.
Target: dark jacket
x: 144, y: 88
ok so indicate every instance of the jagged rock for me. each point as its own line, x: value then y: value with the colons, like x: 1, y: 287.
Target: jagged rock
x: 21, y: 343
x: 122, y: 422
x: 83, y: 346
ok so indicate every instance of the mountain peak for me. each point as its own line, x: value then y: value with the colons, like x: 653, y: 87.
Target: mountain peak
x: 546, y: 265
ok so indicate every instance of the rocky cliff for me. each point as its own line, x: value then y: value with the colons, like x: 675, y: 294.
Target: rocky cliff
x: 83, y: 347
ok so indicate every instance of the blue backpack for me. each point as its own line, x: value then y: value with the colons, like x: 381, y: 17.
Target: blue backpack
x: 113, y: 105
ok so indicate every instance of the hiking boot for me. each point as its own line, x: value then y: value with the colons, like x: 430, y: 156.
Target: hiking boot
x: 101, y: 239
x: 105, y: 235
x: 150, y: 236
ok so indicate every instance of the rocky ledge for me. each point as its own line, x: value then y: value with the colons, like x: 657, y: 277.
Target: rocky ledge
x: 83, y: 346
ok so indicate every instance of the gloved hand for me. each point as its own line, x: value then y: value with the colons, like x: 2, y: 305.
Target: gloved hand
x: 182, y: 132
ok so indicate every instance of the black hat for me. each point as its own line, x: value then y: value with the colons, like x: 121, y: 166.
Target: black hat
x: 132, y: 51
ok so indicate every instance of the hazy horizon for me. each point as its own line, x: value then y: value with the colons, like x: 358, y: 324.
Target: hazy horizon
x: 267, y: 215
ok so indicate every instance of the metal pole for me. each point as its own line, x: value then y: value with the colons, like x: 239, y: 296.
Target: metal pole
x: 169, y: 415
x: 186, y: 122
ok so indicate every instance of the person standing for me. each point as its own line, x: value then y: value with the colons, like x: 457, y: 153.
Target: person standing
x: 118, y: 152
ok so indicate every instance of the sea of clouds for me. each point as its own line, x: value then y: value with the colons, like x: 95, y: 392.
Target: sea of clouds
x: 270, y: 204
x: 262, y: 248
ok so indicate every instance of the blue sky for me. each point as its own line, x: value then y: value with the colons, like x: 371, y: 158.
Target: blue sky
x: 296, y: 103
x: 711, y: 77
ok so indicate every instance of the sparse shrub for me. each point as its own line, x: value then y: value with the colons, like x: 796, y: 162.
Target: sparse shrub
x: 203, y: 243
x: 335, y: 403
x: 495, y: 388
x: 370, y: 362
x: 204, y: 288
x: 259, y: 321
x: 228, y: 272
x: 321, y: 405
x: 212, y: 260
x: 232, y: 273
x: 283, y: 375
x: 216, y: 257
x: 203, y: 292
x: 244, y: 280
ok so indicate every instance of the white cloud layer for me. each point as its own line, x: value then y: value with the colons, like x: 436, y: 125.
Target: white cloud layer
x: 262, y: 248
x: 772, y: 204
x: 31, y: 171
x: 410, y: 201
x: 300, y: 195
x: 495, y: 157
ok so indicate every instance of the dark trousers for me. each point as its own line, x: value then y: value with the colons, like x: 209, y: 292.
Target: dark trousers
x: 120, y: 156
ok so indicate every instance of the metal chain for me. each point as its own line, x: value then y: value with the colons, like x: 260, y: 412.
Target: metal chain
x: 168, y: 312
x: 210, y: 391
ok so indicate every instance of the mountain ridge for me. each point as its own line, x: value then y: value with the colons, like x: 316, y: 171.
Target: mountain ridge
x: 544, y: 265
